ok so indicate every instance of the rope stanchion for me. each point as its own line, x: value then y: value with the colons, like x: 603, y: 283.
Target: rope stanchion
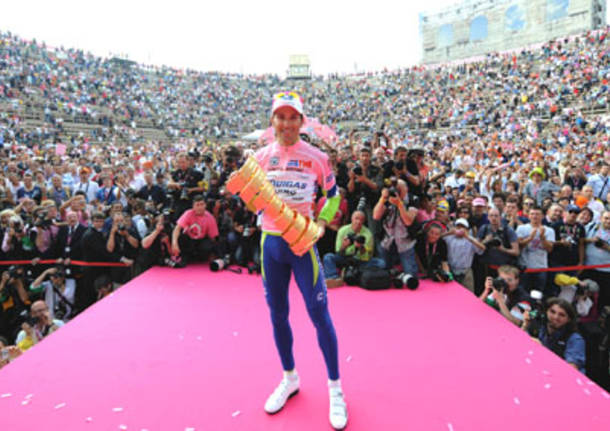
x: 54, y: 262
x: 560, y: 268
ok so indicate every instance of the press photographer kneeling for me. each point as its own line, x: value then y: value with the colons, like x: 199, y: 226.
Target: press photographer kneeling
x: 505, y: 294
x: 353, y: 250
x: 556, y: 330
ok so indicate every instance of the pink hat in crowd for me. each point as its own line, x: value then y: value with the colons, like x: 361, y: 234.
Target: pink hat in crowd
x: 290, y: 98
x: 479, y: 202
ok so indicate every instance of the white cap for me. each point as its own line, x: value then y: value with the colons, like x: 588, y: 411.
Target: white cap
x: 462, y: 222
x: 290, y: 98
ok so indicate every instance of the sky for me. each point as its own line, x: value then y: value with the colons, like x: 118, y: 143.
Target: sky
x: 229, y: 35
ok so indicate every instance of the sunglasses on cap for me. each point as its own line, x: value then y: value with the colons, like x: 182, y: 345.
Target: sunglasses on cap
x: 291, y: 95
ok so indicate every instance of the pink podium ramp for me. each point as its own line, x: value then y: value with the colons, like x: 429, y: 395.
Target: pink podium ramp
x: 192, y: 350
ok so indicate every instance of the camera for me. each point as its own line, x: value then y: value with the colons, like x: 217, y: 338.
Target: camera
x: 399, y: 165
x: 599, y: 243
x: 357, y: 170
x: 18, y: 227
x: 393, y: 192
x: 351, y: 275
x: 441, y: 276
x: 122, y: 227
x: 13, y: 271
x: 207, y: 158
x: 500, y: 284
x: 360, y: 239
x: 403, y: 280
x: 220, y: 264
x: 493, y: 243
x: 254, y: 268
x: 184, y: 194
x: 361, y: 204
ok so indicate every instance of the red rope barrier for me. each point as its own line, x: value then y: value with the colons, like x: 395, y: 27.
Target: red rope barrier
x: 54, y: 262
x: 561, y: 268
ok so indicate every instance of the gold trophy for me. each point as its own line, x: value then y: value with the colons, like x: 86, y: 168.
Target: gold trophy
x: 250, y: 181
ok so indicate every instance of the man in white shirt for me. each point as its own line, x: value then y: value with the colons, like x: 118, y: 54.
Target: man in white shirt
x: 90, y: 188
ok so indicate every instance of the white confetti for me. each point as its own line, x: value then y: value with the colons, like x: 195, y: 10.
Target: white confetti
x: 547, y: 386
x: 89, y: 419
x: 181, y: 337
x: 6, y: 395
x: 236, y: 413
x: 579, y: 382
x: 605, y: 395
x: 516, y: 400
x: 28, y: 396
x: 117, y: 409
x: 590, y: 383
x: 122, y: 427
x: 235, y: 333
x: 531, y: 352
x: 587, y: 391
x: 546, y: 373
x: 199, y: 338
x: 349, y: 358
x: 60, y: 406
x: 189, y: 429
x: 450, y: 426
x: 528, y: 360
x: 25, y: 402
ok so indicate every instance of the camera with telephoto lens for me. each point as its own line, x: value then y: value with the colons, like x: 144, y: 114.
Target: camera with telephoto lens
x: 361, y: 204
x: 403, y: 280
x: 360, y: 239
x: 357, y: 170
x: 220, y: 264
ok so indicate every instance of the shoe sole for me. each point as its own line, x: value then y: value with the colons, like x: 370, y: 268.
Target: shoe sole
x: 289, y: 396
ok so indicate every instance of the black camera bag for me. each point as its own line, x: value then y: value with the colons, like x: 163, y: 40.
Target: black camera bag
x: 375, y: 279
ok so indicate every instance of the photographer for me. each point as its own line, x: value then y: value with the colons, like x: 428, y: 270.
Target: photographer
x: 363, y: 187
x: 195, y: 235
x: 398, y: 236
x: 417, y: 172
x: 13, y: 299
x: 58, y: 292
x: 39, y: 325
x: 185, y: 183
x: 569, y: 245
x: 431, y: 254
x: 505, y: 294
x: 157, y: 244
x: 597, y: 252
x: 152, y: 192
x: 46, y: 230
x: 557, y: 332
x: 248, y: 235
x: 501, y: 248
x: 17, y: 242
x: 354, y: 246
x: 123, y: 240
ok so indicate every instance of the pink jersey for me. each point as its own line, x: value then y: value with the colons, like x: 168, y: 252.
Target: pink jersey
x: 294, y: 172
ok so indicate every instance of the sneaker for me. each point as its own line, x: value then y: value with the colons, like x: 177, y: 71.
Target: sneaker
x: 338, y: 409
x: 288, y: 387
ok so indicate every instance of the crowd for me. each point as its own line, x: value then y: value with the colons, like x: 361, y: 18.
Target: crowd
x: 478, y: 173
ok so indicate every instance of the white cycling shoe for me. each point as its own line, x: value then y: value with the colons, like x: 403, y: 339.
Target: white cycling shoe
x: 338, y: 409
x: 288, y: 387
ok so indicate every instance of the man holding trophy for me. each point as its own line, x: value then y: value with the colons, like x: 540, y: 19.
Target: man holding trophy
x: 281, y: 180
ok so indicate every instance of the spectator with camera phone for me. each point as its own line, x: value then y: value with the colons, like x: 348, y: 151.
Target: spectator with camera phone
x: 37, y: 326
x: 597, y: 252
x: 396, y: 220
x: 505, y: 294
x: 354, y: 246
x: 461, y: 249
x: 556, y: 330
x: 536, y: 242
x: 58, y: 291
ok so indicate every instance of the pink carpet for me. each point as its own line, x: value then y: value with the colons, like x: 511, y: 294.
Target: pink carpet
x: 185, y: 349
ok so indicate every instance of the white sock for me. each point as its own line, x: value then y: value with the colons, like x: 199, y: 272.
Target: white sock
x: 334, y: 384
x: 291, y: 375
